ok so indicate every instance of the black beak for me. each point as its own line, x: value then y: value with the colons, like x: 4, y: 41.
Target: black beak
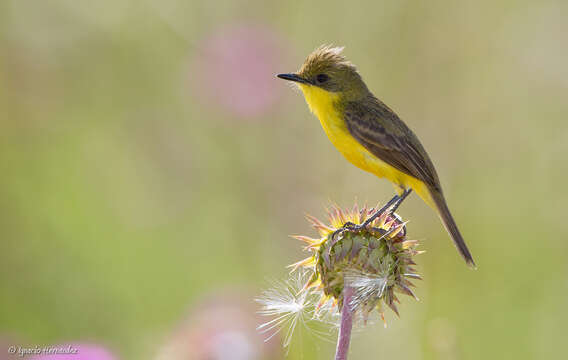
x: 294, y: 77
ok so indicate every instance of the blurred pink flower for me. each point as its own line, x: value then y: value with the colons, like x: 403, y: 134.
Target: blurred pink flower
x: 235, y: 66
x: 222, y: 327
x: 76, y: 352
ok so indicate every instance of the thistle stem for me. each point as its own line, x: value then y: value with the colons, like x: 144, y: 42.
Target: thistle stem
x: 346, y: 324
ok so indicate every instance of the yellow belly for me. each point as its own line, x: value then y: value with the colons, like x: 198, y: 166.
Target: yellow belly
x: 321, y: 104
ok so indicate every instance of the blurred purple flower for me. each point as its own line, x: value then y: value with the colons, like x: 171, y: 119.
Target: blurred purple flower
x: 235, y: 66
x: 78, y: 352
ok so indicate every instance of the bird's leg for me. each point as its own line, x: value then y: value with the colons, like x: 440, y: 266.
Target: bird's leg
x: 392, y: 205
x: 402, y: 197
x: 349, y: 226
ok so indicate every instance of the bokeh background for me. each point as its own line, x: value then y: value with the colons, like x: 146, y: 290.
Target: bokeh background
x: 151, y: 168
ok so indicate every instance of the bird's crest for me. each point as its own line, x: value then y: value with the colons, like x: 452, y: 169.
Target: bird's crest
x: 324, y: 57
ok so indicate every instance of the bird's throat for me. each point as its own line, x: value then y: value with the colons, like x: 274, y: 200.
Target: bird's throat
x: 322, y: 103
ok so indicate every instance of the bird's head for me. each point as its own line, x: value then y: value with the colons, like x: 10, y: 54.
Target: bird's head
x: 327, y: 69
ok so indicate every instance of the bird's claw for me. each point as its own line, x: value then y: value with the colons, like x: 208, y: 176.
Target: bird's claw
x: 390, y: 207
x: 352, y: 226
x: 348, y: 226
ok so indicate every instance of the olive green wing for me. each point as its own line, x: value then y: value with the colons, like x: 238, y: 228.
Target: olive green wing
x: 382, y: 133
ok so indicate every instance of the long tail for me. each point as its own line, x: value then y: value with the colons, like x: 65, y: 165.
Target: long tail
x: 450, y: 225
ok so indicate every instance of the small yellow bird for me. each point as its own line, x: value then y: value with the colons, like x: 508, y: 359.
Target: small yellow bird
x: 369, y: 134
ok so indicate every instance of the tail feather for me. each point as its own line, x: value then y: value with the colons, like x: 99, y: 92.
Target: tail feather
x: 451, y: 226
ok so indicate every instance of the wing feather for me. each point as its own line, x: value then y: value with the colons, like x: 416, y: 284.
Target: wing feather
x: 383, y: 134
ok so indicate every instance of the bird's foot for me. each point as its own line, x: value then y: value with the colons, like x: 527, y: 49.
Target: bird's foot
x: 355, y: 228
x: 391, y: 206
x: 348, y: 226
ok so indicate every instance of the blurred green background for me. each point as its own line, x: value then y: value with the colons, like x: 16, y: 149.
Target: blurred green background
x: 149, y: 159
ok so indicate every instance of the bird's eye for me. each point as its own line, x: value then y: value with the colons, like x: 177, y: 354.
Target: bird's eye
x: 321, y: 78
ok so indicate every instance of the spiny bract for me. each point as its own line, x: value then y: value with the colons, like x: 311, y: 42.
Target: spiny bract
x: 375, y: 261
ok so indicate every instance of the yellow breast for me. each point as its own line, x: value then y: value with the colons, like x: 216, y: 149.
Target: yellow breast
x: 321, y: 103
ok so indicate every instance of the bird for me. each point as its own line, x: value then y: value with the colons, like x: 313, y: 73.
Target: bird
x: 370, y: 135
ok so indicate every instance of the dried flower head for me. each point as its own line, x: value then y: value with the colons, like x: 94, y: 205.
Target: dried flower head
x: 377, y: 261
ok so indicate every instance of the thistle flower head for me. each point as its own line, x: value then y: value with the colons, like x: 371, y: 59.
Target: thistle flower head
x: 377, y: 261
